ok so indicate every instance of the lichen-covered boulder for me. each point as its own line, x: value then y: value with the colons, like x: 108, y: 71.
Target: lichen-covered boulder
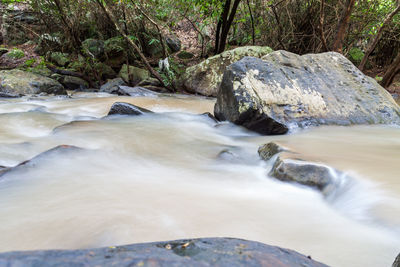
x: 133, y: 74
x: 18, y: 82
x: 191, y: 252
x: 284, y: 90
x: 205, y: 77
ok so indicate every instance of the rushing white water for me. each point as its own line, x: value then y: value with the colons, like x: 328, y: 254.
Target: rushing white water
x: 158, y: 177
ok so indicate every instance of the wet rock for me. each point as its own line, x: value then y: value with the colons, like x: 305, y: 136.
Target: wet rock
x: 190, y: 252
x: 121, y: 108
x: 269, y: 150
x: 9, y: 95
x: 290, y: 166
x: 42, y: 156
x: 112, y: 86
x: 285, y: 90
x: 18, y: 82
x: 205, y: 78
x: 136, y: 91
x: 74, y: 83
x: 134, y: 74
x: 306, y: 173
x: 210, y: 116
x: 396, y: 262
x: 173, y: 43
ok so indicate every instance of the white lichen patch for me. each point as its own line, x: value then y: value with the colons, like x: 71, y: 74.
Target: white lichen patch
x: 283, y: 94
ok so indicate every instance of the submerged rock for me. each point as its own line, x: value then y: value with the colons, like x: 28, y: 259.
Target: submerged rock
x: 121, y: 108
x: 42, y: 156
x: 18, y: 82
x: 205, y: 77
x: 191, y: 252
x: 286, y: 90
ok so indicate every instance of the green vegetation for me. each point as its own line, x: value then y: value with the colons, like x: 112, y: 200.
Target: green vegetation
x: 101, y: 30
x: 16, y: 54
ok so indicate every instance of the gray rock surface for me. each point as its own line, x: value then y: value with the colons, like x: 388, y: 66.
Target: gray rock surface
x: 285, y: 90
x: 121, y: 108
x: 290, y: 166
x: 18, y: 82
x: 396, y: 262
x: 205, y: 77
x: 191, y: 252
x: 112, y: 86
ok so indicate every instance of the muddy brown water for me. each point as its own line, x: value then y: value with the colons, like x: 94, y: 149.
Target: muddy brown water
x: 158, y: 177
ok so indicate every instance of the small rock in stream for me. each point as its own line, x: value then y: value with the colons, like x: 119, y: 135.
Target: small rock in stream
x: 122, y: 108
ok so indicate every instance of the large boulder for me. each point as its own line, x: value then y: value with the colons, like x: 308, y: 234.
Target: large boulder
x: 191, y: 252
x: 205, y: 77
x: 284, y: 90
x: 18, y: 82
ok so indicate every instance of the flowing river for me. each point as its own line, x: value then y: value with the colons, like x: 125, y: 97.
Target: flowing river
x: 159, y: 177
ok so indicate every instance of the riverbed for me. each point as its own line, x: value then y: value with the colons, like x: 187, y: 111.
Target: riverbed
x: 161, y: 177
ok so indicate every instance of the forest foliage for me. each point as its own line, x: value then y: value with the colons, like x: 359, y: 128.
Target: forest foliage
x: 360, y: 29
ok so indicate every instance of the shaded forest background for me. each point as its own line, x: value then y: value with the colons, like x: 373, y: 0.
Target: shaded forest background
x: 143, y: 32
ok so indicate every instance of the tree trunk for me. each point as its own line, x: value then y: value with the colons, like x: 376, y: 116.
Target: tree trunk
x: 111, y: 17
x: 342, y: 27
x: 373, y: 44
x: 391, y: 72
x: 253, y: 33
x: 321, y: 25
x: 228, y: 24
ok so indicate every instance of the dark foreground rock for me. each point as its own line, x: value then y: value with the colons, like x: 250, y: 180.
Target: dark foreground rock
x: 284, y: 90
x: 396, y: 262
x: 191, y: 252
x: 31, y: 163
x: 121, y: 108
x: 18, y: 82
x: 290, y: 166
